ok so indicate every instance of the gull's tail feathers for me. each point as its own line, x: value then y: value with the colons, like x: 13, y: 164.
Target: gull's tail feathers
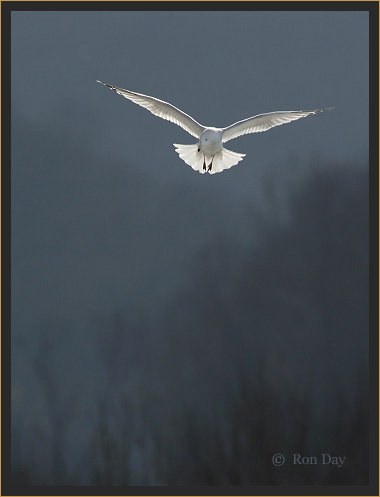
x: 197, y: 160
x: 224, y: 160
x: 190, y: 154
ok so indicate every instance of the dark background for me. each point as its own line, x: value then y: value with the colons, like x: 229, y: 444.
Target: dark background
x: 172, y: 328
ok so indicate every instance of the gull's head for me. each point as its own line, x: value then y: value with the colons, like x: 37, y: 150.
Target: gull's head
x: 211, y: 138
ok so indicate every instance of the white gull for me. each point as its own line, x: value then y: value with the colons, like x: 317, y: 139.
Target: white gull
x: 209, y: 155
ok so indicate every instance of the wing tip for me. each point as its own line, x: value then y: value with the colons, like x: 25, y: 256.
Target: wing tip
x: 106, y: 84
x: 325, y: 108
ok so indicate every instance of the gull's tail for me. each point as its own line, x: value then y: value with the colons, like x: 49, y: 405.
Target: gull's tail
x: 224, y: 159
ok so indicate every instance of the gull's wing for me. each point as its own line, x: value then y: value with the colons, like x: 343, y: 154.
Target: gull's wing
x: 263, y: 122
x: 161, y: 109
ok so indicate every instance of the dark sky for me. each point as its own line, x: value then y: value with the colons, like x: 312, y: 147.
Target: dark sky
x: 219, y: 67
x: 105, y: 215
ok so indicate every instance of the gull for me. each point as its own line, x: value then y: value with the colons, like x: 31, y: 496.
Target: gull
x: 209, y: 154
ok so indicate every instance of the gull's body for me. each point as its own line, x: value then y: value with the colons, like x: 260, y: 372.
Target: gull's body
x: 209, y: 155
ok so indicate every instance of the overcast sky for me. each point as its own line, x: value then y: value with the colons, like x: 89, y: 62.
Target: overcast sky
x: 219, y: 67
x: 96, y: 182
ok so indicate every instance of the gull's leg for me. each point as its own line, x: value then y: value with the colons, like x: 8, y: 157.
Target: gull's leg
x: 210, y: 166
x: 204, y: 163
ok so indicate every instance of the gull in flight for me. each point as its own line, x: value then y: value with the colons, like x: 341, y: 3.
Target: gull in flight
x: 209, y: 155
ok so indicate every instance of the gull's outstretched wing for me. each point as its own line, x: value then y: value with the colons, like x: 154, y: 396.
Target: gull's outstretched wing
x: 161, y: 109
x: 263, y: 122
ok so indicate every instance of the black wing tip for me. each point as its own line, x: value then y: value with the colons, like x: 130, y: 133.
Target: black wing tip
x: 315, y: 111
x: 106, y: 84
x: 326, y: 108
